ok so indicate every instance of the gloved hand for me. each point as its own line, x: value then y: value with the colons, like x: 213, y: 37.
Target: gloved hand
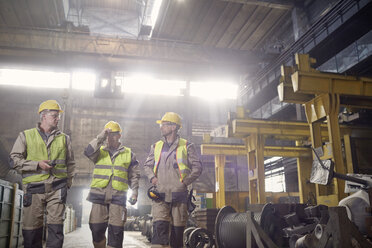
x: 103, y: 135
x: 133, y: 199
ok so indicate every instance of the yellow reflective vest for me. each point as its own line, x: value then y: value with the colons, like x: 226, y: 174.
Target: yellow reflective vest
x: 104, y: 169
x: 37, y: 150
x: 181, y: 156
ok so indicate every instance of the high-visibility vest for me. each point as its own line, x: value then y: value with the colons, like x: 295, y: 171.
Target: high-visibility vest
x: 104, y: 169
x: 181, y: 157
x: 37, y: 150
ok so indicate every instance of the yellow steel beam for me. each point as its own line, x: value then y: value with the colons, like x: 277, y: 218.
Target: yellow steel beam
x: 220, y: 161
x: 324, y: 106
x: 280, y: 129
x: 256, y: 168
x: 219, y: 149
x: 348, y: 154
x: 328, y: 83
x: 290, y: 152
x: 286, y: 94
x: 318, y: 108
x: 300, y: 83
x: 241, y: 150
x: 310, y: 81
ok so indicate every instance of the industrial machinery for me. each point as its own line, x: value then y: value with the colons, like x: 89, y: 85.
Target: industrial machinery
x: 295, y: 225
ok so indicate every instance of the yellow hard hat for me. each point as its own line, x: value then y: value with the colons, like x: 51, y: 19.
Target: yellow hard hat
x: 171, y: 117
x: 114, y: 126
x: 154, y: 194
x: 50, y: 105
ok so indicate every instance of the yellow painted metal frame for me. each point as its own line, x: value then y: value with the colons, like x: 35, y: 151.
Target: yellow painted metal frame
x: 255, y: 152
x: 220, y: 161
x: 320, y: 93
x: 282, y: 130
x: 240, y: 150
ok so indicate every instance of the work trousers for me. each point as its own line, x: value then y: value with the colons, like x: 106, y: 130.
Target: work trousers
x: 112, y: 216
x: 169, y: 221
x: 34, y: 206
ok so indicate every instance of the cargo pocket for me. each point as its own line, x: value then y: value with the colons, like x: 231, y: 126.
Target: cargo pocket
x: 124, y: 215
x: 27, y: 200
x: 63, y: 195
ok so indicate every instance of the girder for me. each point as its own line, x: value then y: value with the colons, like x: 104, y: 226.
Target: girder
x: 70, y: 49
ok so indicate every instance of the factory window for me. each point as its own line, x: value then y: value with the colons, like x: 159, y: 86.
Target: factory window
x: 30, y: 78
x: 83, y: 80
x: 274, y: 175
x: 275, y: 180
x: 214, y: 90
x: 148, y: 85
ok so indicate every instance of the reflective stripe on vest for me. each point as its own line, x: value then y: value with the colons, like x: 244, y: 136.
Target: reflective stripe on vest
x: 37, y: 150
x: 181, y: 156
x: 104, y: 170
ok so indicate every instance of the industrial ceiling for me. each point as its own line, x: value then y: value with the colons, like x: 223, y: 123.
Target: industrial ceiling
x: 189, y: 37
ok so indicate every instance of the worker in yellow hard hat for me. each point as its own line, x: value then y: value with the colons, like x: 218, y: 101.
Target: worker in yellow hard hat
x: 44, y: 157
x: 116, y: 169
x: 172, y: 165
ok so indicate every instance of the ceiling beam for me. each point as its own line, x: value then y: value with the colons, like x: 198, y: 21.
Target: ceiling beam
x: 72, y: 49
x: 275, y: 4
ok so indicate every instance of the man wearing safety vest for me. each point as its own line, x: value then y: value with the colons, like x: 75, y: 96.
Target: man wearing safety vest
x: 44, y: 157
x: 116, y: 168
x: 172, y: 165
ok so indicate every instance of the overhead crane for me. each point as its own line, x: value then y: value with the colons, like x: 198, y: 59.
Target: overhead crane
x: 322, y: 94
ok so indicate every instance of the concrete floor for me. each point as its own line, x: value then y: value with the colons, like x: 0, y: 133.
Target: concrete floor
x: 82, y: 238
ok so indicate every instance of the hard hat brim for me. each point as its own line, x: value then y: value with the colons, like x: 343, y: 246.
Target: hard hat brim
x: 119, y: 132
x: 59, y: 110
x: 158, y: 121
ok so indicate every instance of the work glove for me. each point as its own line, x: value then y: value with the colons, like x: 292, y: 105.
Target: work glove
x: 133, y: 199
x: 103, y: 134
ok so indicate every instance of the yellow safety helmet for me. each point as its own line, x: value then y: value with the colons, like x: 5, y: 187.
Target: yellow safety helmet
x: 114, y: 126
x: 171, y: 117
x: 154, y: 194
x: 50, y: 105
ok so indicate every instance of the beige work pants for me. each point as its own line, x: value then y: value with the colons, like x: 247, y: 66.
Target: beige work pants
x: 112, y: 216
x: 169, y: 221
x: 33, y: 218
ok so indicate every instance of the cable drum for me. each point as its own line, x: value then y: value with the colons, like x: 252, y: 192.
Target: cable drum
x: 230, y: 228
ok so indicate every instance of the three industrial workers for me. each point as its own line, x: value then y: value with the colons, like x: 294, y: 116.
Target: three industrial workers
x: 44, y: 157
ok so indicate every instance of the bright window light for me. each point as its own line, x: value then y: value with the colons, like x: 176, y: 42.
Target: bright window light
x: 104, y: 82
x: 148, y: 85
x: 155, y: 12
x: 86, y: 208
x: 30, y: 78
x: 83, y: 80
x: 275, y: 183
x: 214, y: 90
x: 271, y: 160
